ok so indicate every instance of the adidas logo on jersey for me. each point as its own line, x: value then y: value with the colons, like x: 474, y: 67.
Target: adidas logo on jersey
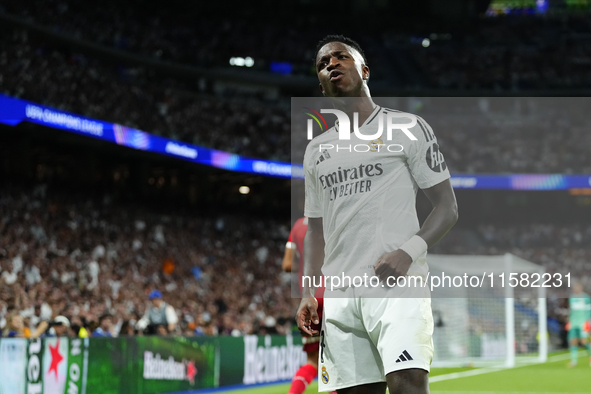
x: 404, y: 357
x: 323, y: 156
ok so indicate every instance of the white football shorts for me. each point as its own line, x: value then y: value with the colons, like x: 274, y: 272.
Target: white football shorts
x: 364, y: 339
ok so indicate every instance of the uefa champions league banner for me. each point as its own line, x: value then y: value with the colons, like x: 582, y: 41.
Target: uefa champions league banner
x: 145, y: 365
x: 13, y: 111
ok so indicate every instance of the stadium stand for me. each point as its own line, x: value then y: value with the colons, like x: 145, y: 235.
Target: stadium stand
x: 232, y: 121
x: 84, y: 256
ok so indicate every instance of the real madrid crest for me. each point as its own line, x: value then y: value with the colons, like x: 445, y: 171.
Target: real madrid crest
x: 324, y: 375
x: 374, y: 145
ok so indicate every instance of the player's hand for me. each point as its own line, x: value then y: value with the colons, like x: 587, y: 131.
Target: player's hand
x: 306, y: 315
x: 393, y: 264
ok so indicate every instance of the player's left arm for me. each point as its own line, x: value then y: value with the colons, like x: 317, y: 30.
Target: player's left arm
x: 429, y: 170
x: 444, y: 214
x: 442, y: 218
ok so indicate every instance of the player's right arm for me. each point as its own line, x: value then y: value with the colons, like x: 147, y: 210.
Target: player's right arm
x: 313, y: 260
x: 313, y: 248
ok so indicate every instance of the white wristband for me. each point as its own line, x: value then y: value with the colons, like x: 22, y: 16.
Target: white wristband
x: 415, y: 247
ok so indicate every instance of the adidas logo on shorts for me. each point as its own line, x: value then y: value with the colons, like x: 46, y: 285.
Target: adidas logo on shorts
x: 404, y: 357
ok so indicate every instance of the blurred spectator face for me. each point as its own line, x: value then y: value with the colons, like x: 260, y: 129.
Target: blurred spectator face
x: 106, y: 323
x: 156, y: 302
x: 577, y: 288
x: 245, y: 327
x: 128, y: 330
x: 16, y: 323
x: 162, y: 330
x: 209, y: 329
x: 61, y: 330
x: 227, y: 321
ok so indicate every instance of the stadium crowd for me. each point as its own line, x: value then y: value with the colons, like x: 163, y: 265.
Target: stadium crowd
x: 169, y: 34
x: 560, y: 249
x: 96, y: 266
x: 552, y: 51
x: 97, y: 263
x: 256, y: 127
x: 134, y: 98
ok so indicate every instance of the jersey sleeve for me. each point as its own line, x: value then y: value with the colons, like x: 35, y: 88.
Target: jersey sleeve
x: 424, y: 158
x: 313, y: 202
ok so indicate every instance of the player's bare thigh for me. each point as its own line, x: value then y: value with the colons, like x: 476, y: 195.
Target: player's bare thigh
x: 372, y: 388
x: 408, y: 381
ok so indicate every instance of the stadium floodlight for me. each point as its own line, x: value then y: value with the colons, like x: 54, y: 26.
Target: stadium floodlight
x: 244, y: 189
x: 241, y: 61
x: 488, y: 326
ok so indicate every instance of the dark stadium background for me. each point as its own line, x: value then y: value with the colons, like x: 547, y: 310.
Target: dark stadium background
x: 163, y: 67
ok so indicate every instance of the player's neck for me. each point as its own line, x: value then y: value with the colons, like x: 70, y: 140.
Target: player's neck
x: 364, y: 106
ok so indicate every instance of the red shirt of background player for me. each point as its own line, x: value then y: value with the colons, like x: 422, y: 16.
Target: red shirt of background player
x: 296, y: 241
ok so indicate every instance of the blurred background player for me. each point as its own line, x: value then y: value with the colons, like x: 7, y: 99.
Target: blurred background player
x: 294, y: 250
x: 579, y: 323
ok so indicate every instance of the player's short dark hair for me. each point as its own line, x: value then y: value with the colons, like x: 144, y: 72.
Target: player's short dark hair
x: 340, y: 38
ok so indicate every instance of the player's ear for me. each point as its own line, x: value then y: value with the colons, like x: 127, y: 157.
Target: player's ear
x: 321, y: 89
x: 365, y: 72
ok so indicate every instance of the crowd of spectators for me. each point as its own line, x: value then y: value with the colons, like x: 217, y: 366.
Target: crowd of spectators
x: 93, y: 267
x: 560, y: 248
x: 97, y: 267
x: 174, y: 35
x: 509, y: 53
x: 473, y: 141
x: 130, y: 96
x: 512, y: 54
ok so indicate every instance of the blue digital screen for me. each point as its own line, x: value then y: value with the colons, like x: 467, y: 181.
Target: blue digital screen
x: 14, y: 111
x: 282, y: 68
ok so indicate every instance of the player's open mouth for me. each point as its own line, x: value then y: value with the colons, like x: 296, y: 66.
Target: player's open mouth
x: 335, y: 75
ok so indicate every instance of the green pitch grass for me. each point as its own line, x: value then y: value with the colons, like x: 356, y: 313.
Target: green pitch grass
x: 552, y: 377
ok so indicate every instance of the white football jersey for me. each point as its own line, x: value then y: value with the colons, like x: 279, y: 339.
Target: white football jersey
x: 365, y: 191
